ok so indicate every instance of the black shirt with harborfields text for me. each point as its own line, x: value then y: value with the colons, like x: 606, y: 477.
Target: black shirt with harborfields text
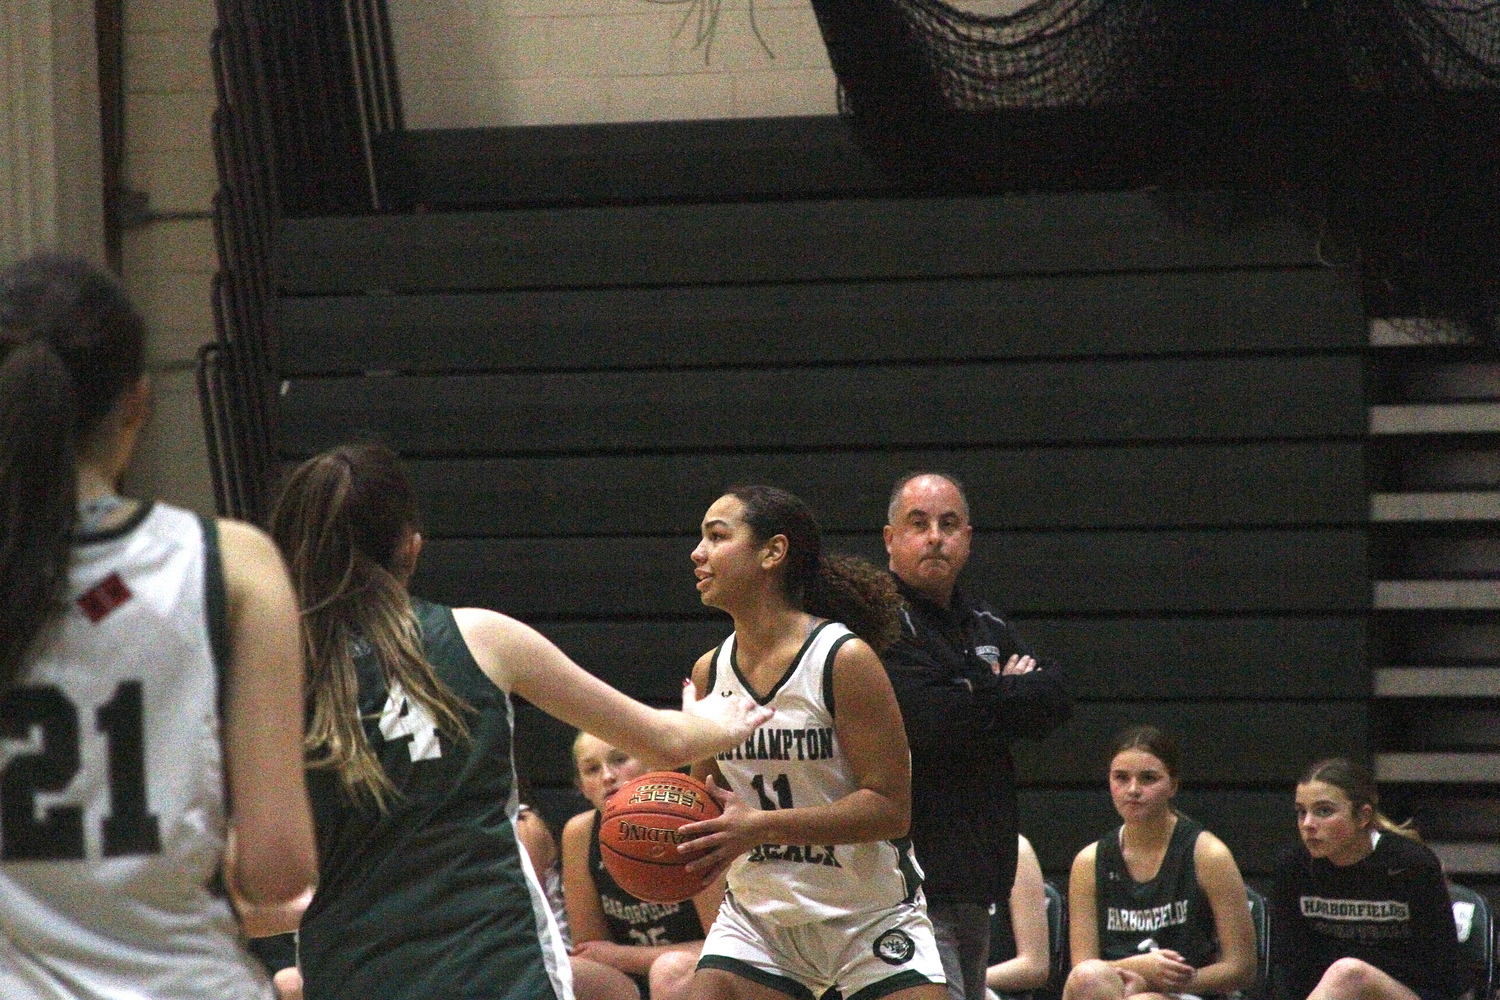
x: 1170, y: 910
x: 1390, y: 909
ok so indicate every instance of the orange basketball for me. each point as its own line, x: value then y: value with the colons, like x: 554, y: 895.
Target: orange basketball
x: 638, y: 835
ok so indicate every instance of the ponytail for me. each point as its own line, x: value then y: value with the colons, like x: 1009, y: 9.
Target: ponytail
x: 856, y: 592
x: 38, y: 480
x: 340, y: 521
x: 840, y: 588
x: 1358, y: 785
x: 70, y: 346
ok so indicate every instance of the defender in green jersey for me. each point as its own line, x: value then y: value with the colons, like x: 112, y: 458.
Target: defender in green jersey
x: 425, y: 891
x: 445, y: 848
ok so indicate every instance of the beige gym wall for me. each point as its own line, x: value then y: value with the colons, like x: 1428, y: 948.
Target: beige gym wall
x: 540, y: 62
x: 50, y: 191
x: 169, y: 263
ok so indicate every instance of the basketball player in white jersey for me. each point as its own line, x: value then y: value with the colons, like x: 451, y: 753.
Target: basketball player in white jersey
x: 150, y: 683
x: 823, y: 891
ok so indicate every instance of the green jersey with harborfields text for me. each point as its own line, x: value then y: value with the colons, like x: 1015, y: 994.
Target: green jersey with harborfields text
x: 432, y: 898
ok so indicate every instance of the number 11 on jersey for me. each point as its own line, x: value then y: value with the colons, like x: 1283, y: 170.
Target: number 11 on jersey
x: 781, y: 785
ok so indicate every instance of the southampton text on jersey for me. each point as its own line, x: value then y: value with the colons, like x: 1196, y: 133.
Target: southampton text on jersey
x: 785, y: 744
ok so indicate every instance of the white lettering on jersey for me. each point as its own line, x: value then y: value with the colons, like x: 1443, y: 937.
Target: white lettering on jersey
x: 1153, y: 919
x: 404, y: 717
x: 1354, y: 909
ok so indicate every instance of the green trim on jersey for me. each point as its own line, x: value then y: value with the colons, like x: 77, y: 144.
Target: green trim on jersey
x: 216, y: 621
x: 769, y: 696
x: 216, y: 604
x: 903, y: 980
x: 143, y: 509
x: 713, y: 670
x: 429, y: 899
x: 908, y: 868
x: 833, y: 652
x: 770, y: 980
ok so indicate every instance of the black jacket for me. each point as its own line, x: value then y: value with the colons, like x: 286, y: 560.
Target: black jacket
x: 960, y: 718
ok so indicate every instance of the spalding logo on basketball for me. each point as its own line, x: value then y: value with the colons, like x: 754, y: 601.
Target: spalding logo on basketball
x: 638, y: 835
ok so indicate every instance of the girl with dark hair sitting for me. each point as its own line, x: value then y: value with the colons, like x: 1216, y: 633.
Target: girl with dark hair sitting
x: 1157, y: 908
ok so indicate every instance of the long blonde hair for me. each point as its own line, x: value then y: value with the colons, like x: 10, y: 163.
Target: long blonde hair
x: 341, y: 521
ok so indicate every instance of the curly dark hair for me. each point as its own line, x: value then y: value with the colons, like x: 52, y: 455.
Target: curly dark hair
x: 841, y: 588
x: 860, y: 594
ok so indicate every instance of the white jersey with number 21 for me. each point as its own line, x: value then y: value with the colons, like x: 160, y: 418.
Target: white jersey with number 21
x: 112, y: 812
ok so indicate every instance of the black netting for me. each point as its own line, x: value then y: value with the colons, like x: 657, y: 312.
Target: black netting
x: 1088, y: 53
x: 1054, y: 53
x: 1417, y: 45
x: 1380, y: 113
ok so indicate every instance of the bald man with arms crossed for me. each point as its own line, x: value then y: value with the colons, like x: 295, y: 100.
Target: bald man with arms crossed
x: 967, y: 685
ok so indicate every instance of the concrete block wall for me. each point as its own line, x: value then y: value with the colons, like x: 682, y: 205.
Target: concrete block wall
x: 168, y: 264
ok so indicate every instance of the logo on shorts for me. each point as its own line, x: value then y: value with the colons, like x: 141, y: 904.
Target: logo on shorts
x: 895, y: 947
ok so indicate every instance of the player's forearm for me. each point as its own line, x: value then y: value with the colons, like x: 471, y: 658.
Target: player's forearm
x: 1222, y: 977
x: 671, y: 739
x: 862, y: 815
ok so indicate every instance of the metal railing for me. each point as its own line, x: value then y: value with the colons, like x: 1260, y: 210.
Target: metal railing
x: 304, y: 88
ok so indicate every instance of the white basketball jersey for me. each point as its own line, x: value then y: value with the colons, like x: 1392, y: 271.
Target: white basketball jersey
x: 793, y: 761
x: 112, y: 813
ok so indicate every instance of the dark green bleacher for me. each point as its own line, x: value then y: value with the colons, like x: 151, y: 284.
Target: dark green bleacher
x: 1158, y: 402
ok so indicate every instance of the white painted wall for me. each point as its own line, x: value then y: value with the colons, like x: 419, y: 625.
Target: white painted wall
x: 541, y: 62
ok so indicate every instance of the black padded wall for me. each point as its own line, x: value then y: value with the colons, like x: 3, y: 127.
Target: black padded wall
x: 1159, y: 416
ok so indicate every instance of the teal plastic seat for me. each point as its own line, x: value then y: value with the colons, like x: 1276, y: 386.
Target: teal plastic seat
x: 1002, y: 946
x: 1474, y: 920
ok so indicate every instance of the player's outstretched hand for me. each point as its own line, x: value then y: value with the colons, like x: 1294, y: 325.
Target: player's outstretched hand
x: 714, y: 843
x: 738, y: 714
